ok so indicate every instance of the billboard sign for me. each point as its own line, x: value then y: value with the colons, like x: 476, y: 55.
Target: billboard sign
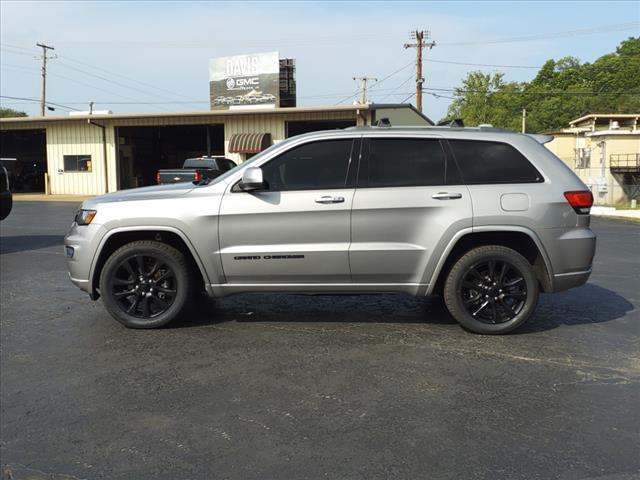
x: 245, y: 81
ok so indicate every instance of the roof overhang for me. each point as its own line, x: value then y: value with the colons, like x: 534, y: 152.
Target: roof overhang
x: 608, y: 116
x: 357, y: 109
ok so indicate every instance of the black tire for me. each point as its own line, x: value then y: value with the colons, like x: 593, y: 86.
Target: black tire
x: 494, y: 306
x: 145, y: 284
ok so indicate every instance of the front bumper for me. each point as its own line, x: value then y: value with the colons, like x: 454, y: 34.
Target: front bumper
x: 80, y: 247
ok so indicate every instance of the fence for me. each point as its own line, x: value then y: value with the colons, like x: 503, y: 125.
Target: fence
x: 614, y: 193
x: 617, y: 184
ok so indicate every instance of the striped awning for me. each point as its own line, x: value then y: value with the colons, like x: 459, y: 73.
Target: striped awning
x: 249, y: 142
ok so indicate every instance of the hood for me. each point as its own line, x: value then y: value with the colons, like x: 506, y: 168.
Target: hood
x: 143, y: 193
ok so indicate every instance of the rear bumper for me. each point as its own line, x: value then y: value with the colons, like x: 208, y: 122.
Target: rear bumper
x: 565, y: 281
x: 571, y: 253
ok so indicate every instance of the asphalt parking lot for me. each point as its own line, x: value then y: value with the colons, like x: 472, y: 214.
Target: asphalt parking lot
x: 295, y: 387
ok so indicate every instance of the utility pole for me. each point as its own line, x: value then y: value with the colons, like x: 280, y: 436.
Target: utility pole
x: 420, y: 37
x: 363, y: 87
x: 524, y: 120
x: 43, y: 93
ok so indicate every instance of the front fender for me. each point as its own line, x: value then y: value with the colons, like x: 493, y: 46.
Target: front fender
x: 147, y: 228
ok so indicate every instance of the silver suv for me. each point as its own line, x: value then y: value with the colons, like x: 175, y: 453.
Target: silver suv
x: 483, y: 217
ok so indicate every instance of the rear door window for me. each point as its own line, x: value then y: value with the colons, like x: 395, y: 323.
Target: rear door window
x: 483, y: 162
x: 405, y: 162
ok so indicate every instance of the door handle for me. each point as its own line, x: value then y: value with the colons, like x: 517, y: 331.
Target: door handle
x: 329, y: 199
x: 446, y: 196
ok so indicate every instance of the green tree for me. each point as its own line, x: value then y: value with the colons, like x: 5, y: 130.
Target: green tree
x: 484, y: 98
x: 562, y: 90
x: 10, y: 112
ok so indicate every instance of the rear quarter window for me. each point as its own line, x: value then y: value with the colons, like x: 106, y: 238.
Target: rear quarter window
x: 483, y: 162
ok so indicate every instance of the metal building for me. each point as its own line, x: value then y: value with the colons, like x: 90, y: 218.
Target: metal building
x: 94, y: 154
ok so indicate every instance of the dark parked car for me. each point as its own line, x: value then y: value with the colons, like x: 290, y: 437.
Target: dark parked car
x: 195, y: 170
x: 6, y: 200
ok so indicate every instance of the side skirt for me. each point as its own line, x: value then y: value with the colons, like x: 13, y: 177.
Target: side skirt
x: 221, y: 290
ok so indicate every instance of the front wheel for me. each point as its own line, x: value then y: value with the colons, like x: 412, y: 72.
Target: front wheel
x: 491, y: 290
x: 145, y: 284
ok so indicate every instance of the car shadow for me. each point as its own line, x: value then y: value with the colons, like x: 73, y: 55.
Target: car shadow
x: 258, y: 307
x: 589, y: 304
x: 23, y: 243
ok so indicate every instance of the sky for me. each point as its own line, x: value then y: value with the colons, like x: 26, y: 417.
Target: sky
x: 147, y: 56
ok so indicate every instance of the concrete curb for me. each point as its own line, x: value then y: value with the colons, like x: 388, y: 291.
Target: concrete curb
x: 612, y: 212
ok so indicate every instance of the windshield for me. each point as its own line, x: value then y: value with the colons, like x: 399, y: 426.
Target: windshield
x: 249, y: 162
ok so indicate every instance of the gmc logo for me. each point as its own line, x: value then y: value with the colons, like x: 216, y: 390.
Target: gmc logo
x: 247, y: 82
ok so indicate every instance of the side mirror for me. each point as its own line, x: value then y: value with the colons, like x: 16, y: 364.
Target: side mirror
x: 252, y: 180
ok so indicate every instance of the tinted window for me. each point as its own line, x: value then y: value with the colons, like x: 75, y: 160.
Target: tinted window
x: 395, y: 162
x: 493, y: 162
x: 313, y: 166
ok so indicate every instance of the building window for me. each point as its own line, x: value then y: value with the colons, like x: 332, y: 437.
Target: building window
x: 583, y: 157
x: 77, y: 163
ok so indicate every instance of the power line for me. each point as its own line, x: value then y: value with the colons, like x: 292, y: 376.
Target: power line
x: 408, y: 97
x: 341, y: 39
x: 431, y: 60
x: 397, y: 88
x: 347, y: 97
x: 545, y: 36
x: 73, y: 80
x: 69, y: 59
x: 125, y: 77
x: 38, y: 101
x: 538, y: 92
x: 113, y: 82
x: 391, y: 74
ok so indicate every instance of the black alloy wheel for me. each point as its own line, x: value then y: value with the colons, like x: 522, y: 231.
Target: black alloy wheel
x: 144, y: 286
x: 493, y: 291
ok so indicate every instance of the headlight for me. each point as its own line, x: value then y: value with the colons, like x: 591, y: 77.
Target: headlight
x: 85, y: 217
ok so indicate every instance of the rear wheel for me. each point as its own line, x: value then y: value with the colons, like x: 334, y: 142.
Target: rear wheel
x: 145, y: 284
x: 491, y: 290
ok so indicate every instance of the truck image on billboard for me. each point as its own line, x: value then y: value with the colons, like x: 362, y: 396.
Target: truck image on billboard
x: 245, y: 81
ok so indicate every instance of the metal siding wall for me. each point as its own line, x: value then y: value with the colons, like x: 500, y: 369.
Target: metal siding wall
x: 79, y: 138
x: 75, y: 138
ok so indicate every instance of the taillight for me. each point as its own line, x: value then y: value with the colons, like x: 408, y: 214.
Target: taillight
x: 158, y: 177
x: 581, y: 201
x: 197, y: 177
